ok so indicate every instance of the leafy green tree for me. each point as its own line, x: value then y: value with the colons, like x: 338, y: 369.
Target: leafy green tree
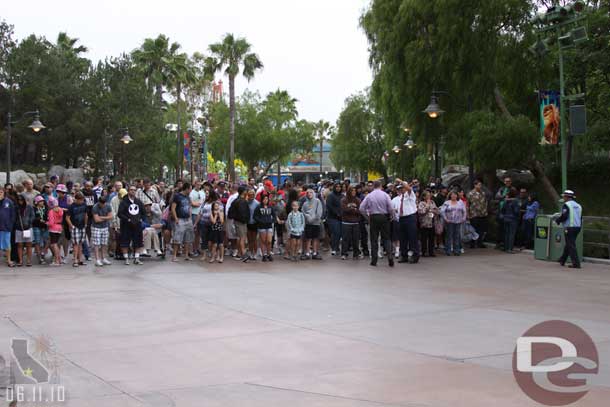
x: 358, y: 144
x: 233, y: 55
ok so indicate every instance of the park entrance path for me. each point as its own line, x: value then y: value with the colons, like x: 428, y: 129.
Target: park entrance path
x: 332, y: 333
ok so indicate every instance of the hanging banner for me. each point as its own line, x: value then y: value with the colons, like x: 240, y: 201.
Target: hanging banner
x: 550, y: 117
x: 187, y: 144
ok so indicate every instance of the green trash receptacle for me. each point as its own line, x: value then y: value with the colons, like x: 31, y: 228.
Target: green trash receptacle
x: 542, y: 248
x: 550, y: 239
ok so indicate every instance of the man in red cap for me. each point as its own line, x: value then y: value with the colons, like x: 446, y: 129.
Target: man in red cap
x: 268, y: 188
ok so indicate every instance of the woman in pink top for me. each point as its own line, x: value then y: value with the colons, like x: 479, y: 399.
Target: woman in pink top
x: 55, y: 223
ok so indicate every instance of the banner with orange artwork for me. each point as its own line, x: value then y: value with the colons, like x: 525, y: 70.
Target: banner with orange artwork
x: 550, y: 117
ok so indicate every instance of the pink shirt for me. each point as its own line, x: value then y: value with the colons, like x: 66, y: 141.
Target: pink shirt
x: 55, y: 220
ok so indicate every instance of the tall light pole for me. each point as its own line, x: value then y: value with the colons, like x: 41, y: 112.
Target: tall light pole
x: 562, y: 24
x: 36, y: 126
x: 434, y: 111
x: 125, y: 139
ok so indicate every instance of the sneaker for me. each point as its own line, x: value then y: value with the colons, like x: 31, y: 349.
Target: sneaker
x: 270, y: 258
x: 127, y: 261
x: 316, y: 257
x: 361, y: 256
x: 264, y: 258
x: 304, y: 257
x: 343, y: 257
x: 106, y: 262
x: 333, y: 253
x: 99, y: 263
x: 137, y: 261
x: 159, y: 253
x: 245, y: 258
x: 294, y: 258
x: 252, y: 257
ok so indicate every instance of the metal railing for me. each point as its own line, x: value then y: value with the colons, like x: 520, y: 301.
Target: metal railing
x: 596, y: 231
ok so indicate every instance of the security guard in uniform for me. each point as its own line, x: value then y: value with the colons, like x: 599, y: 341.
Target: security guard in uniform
x: 571, y: 217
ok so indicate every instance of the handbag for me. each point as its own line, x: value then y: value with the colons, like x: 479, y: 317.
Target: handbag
x: 439, y: 226
x: 26, y: 233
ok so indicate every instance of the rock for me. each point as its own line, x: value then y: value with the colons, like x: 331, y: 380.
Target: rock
x: 455, y: 169
x: 33, y: 177
x: 56, y: 170
x: 17, y: 177
x: 521, y: 178
x: 455, y: 175
x: 74, y: 175
x: 42, y: 177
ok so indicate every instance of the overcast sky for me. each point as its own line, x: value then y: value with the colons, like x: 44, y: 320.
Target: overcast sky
x: 313, y: 48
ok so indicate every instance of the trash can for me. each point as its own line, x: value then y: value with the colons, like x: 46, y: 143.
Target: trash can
x: 550, y: 239
x: 542, y: 248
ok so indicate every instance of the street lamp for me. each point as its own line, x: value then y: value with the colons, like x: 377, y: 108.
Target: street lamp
x: 36, y: 126
x: 410, y: 143
x: 396, y: 149
x: 125, y: 140
x: 433, y: 110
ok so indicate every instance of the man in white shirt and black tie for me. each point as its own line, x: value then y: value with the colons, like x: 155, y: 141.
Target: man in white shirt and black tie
x: 405, y: 207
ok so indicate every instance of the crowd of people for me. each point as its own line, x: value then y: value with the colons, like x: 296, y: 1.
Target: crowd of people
x: 98, y: 221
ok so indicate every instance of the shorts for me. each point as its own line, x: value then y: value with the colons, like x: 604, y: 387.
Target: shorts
x: 131, y: 235
x: 20, y: 239
x: 312, y: 231
x: 216, y: 236
x: 5, y: 240
x: 241, y: 230
x: 270, y: 230
x: 297, y: 237
x: 54, y: 237
x: 41, y: 236
x: 230, y: 226
x: 99, y: 236
x: 252, y: 227
x: 183, y: 232
x: 78, y: 235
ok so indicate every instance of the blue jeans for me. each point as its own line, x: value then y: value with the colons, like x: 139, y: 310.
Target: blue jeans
x: 335, y: 233
x: 510, y: 228
x: 452, y: 238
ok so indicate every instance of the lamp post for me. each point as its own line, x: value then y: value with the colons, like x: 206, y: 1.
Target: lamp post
x: 125, y: 139
x: 562, y: 23
x: 36, y: 126
x: 434, y: 111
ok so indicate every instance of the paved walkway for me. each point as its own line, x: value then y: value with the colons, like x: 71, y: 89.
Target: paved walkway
x: 332, y: 333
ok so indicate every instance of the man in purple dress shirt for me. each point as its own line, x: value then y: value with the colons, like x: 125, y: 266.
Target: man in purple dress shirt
x: 377, y: 206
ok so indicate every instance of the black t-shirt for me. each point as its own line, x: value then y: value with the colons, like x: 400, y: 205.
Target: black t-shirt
x: 77, y: 213
x: 183, y: 206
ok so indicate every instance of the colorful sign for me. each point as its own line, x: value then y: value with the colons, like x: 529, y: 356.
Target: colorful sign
x: 550, y: 117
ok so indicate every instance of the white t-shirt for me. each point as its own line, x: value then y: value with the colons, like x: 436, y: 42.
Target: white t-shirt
x: 197, y: 196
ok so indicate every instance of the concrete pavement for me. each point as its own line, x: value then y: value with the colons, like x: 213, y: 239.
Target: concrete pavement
x: 332, y: 333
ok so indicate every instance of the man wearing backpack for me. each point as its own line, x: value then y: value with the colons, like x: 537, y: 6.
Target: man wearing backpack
x: 240, y: 213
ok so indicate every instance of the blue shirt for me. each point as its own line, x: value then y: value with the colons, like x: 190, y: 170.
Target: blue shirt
x: 531, y: 211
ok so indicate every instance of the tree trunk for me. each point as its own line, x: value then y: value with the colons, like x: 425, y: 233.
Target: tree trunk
x: 231, y: 163
x: 179, y: 141
x: 159, y: 91
x: 538, y: 170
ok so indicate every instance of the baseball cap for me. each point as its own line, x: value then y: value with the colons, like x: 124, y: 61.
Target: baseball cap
x: 569, y: 192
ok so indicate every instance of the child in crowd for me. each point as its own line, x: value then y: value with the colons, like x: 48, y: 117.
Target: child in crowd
x: 263, y: 216
x: 216, y: 234
x: 41, y: 231
x: 55, y: 224
x: 295, y: 224
x: 77, y: 220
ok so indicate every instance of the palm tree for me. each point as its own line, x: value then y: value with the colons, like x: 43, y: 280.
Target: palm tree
x: 324, y: 132
x: 233, y: 55
x: 67, y: 44
x: 180, y: 72
x: 153, y: 58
